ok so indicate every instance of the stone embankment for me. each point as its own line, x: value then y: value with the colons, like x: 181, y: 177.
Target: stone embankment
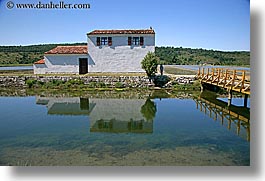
x: 126, y: 81
x: 109, y: 81
x: 185, y: 80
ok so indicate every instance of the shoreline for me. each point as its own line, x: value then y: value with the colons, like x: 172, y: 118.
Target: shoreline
x: 94, y: 82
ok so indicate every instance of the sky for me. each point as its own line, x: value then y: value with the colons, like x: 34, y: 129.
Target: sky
x: 207, y: 24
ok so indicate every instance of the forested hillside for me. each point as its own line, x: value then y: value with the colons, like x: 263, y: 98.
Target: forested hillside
x: 168, y: 55
x: 26, y: 54
x: 171, y: 55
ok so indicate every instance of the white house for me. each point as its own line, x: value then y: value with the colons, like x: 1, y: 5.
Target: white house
x: 106, y: 51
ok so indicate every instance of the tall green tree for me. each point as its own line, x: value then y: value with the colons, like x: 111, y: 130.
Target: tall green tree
x: 149, y: 64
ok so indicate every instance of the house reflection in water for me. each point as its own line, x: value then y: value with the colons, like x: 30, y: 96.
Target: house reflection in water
x: 120, y: 116
x: 66, y: 106
x: 106, y: 115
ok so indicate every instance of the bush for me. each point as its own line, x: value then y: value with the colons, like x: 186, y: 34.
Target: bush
x: 161, y: 80
x: 149, y: 64
x: 119, y: 85
x: 57, y: 82
x: 96, y: 85
x: 76, y: 82
x: 31, y: 82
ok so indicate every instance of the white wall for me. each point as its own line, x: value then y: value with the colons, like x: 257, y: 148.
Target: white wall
x: 39, y: 68
x: 63, y: 63
x: 120, y: 57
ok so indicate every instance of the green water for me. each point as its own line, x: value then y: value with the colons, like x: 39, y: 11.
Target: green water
x: 120, y: 130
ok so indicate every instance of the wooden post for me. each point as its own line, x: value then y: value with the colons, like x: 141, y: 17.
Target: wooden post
x: 243, y: 80
x: 248, y: 133
x: 218, y: 76
x: 229, y: 123
x: 202, y: 72
x: 199, y: 72
x: 229, y: 98
x: 225, y: 77
x: 208, y: 72
x: 222, y: 120
x: 212, y: 74
x: 233, y: 79
x: 238, y: 127
x: 246, y: 100
x: 201, y: 87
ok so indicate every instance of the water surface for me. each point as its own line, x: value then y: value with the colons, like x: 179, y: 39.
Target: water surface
x: 196, y: 67
x: 17, y: 68
x: 98, y: 130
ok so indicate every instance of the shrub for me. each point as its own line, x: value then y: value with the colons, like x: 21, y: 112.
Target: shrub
x: 119, y: 85
x: 149, y: 64
x: 92, y: 84
x: 161, y: 80
x: 76, y: 82
x: 31, y: 82
x: 57, y: 82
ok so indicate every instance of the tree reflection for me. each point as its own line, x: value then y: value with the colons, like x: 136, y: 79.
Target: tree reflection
x: 148, y: 110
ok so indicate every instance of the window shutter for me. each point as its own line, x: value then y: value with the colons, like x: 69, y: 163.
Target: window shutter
x: 141, y: 41
x: 98, y: 41
x: 129, y: 40
x: 109, y: 41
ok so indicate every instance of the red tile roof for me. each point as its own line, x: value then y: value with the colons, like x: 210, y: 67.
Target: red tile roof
x: 42, y: 61
x: 68, y: 50
x: 97, y: 32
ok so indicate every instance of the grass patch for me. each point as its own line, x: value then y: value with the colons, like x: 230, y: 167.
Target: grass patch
x: 74, y: 84
x: 16, y: 72
x: 195, y: 86
x: 179, y: 71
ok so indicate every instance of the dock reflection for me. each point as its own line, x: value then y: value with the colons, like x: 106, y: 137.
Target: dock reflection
x: 235, y: 118
x: 106, y: 115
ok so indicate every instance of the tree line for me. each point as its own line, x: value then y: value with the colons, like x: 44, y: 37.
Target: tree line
x: 189, y: 56
x: 168, y: 55
x: 26, y: 54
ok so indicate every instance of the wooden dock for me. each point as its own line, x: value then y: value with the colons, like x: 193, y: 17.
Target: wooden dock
x: 232, y: 80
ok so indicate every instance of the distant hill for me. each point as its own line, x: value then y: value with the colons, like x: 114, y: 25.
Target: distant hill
x: 26, y: 54
x: 168, y: 55
x: 188, y: 56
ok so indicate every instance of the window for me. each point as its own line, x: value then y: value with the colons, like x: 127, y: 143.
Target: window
x: 104, y: 41
x: 136, y: 41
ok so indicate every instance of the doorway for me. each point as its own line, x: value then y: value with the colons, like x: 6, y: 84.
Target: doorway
x: 83, y: 66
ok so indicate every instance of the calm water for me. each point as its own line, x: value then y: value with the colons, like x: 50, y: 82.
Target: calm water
x: 17, y: 68
x: 196, y: 67
x: 121, y: 131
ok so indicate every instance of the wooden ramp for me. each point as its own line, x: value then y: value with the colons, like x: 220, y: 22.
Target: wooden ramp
x: 232, y: 80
